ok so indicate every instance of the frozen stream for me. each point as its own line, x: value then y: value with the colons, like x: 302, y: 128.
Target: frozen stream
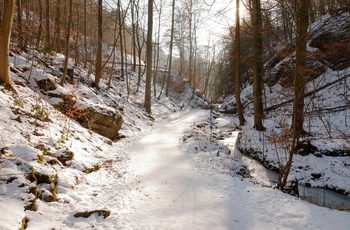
x: 319, y: 196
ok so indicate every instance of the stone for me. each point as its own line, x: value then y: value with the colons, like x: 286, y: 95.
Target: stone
x: 86, y: 214
x: 46, y: 84
x: 105, y: 124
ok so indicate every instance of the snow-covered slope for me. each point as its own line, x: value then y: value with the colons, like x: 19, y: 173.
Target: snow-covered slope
x: 323, y: 157
x: 47, y: 159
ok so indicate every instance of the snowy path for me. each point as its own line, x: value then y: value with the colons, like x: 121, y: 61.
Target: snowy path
x: 164, y: 190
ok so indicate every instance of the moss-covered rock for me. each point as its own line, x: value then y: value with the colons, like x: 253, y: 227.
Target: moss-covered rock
x: 24, y: 223
x: 86, y: 214
x: 106, y: 124
x: 64, y: 156
x: 46, y: 195
x: 92, y: 169
x: 32, y: 201
x: 46, y: 179
x: 46, y: 84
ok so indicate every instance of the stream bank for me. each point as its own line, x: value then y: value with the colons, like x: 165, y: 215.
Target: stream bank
x: 260, y: 174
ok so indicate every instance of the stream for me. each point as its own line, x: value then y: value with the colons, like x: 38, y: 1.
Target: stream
x: 319, y: 196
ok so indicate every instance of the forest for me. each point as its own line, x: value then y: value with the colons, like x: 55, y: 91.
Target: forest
x: 93, y: 92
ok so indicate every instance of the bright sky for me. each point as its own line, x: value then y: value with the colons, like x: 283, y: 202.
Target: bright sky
x: 220, y: 16
x: 217, y: 16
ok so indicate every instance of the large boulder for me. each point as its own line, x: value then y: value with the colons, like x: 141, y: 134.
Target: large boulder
x: 283, y: 72
x: 328, y: 47
x: 332, y: 38
x: 104, y: 123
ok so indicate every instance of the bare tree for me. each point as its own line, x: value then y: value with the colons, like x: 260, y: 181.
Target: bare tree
x: 255, y: 12
x: 237, y: 66
x: 47, y: 25
x: 133, y: 34
x: 98, y: 66
x: 170, y: 48
x: 5, y: 33
x: 85, y: 34
x: 140, y: 43
x: 157, y: 46
x: 66, y: 52
x: 20, y: 37
x: 302, y: 9
x: 58, y: 27
x: 299, y: 76
x: 40, y: 29
x: 149, y: 58
x: 121, y: 40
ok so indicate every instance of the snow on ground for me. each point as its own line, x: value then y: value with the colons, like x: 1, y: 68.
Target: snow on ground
x: 152, y: 179
x: 161, y: 187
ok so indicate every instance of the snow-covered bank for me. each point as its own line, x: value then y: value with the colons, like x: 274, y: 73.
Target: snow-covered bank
x: 48, y: 160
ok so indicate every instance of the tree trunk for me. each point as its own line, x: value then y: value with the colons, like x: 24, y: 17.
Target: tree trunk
x: 20, y: 41
x: 133, y: 35
x: 66, y: 52
x: 125, y: 61
x: 77, y: 37
x: 257, y: 64
x: 5, y: 34
x: 98, y: 66
x: 237, y: 67
x: 170, y: 48
x: 302, y: 7
x: 157, y: 50
x: 191, y: 45
x: 195, y: 58
x: 47, y: 18
x: 28, y: 23
x: 121, y: 43
x: 85, y: 36
x: 299, y: 76
x: 58, y: 27
x: 40, y: 29
x: 149, y: 58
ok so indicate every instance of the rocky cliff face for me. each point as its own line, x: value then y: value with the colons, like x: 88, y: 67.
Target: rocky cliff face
x: 328, y: 48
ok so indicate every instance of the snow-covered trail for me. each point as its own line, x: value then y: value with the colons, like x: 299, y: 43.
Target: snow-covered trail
x: 165, y: 190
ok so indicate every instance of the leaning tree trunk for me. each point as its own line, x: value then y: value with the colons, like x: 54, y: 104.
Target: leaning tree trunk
x: 5, y: 34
